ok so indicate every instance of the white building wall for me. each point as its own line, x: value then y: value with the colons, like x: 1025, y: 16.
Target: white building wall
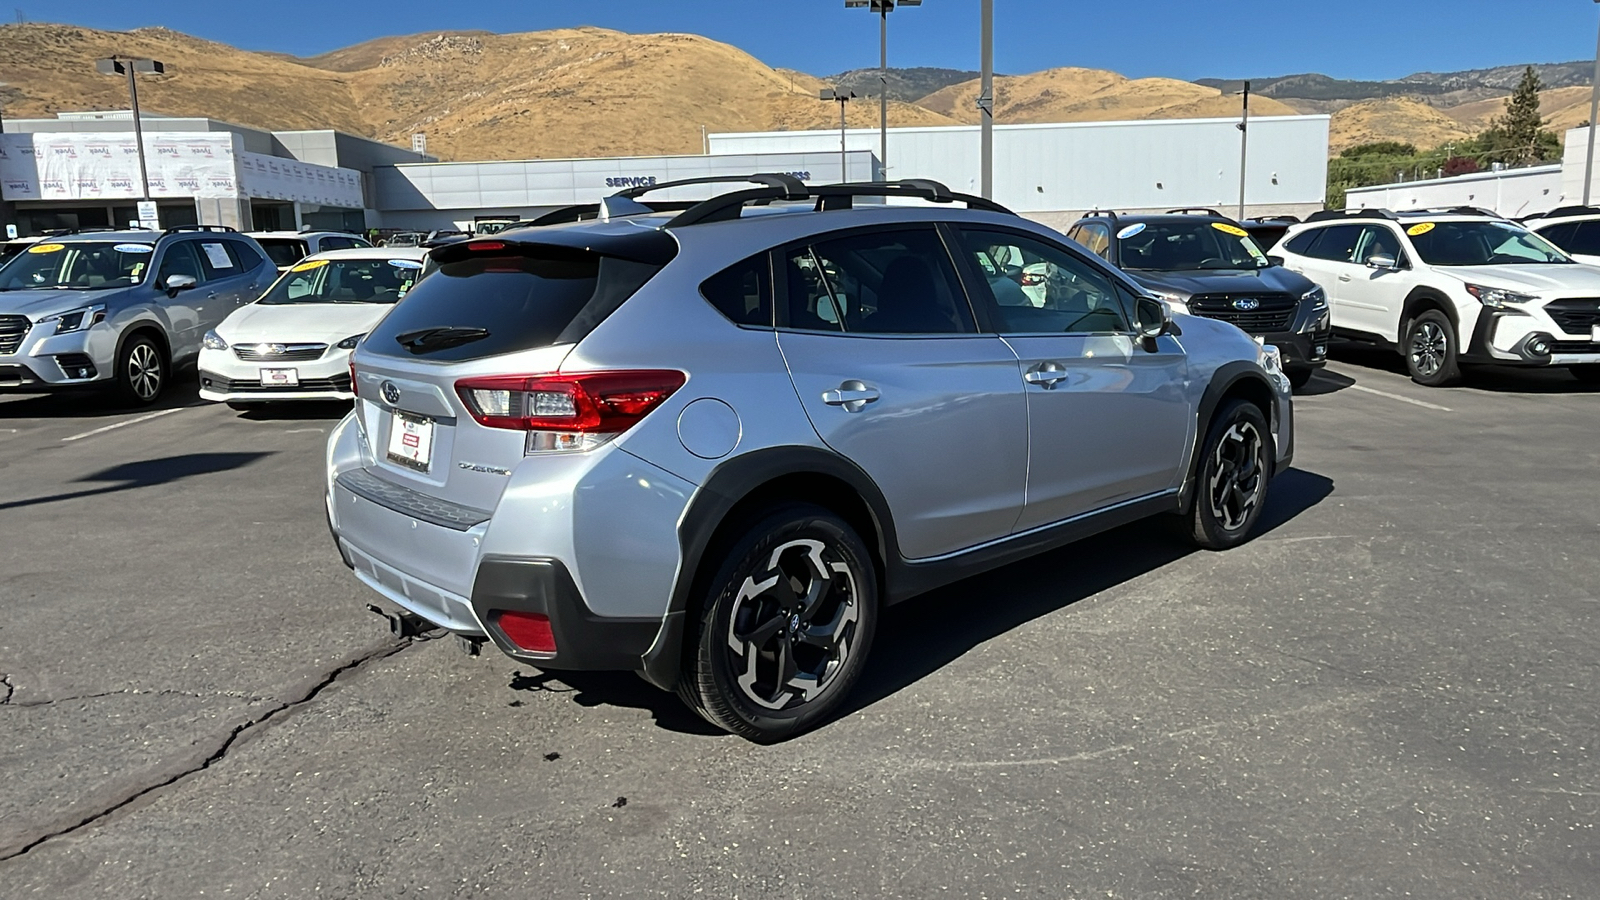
x: 1510, y: 192
x: 1066, y: 168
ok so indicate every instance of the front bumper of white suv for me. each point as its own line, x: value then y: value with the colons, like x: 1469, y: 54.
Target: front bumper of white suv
x: 1558, y: 332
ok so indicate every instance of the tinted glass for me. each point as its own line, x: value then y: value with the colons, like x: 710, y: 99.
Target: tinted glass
x: 1377, y: 240
x: 244, y: 256
x: 283, y: 251
x: 344, y: 281
x: 215, y: 260
x: 1575, y: 237
x: 488, y: 305
x: 1097, y: 238
x: 1188, y: 246
x: 1301, y: 243
x: 743, y: 291
x: 180, y: 259
x: 884, y: 282
x: 1055, y: 292
x: 78, y: 266
x: 1337, y: 243
x: 1480, y: 243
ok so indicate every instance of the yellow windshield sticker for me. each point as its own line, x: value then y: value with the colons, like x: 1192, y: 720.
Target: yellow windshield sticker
x: 1225, y: 228
x: 1419, y: 230
x: 309, y: 265
x: 47, y: 248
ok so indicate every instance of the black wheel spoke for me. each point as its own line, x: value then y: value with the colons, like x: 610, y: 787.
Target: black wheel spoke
x: 761, y: 634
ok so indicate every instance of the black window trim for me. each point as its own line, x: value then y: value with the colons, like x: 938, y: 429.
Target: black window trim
x: 990, y: 321
x: 780, y: 286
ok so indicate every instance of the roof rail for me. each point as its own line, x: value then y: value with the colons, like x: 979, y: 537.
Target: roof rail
x: 1449, y: 210
x: 1196, y: 211
x: 60, y: 232
x: 793, y: 187
x: 1563, y: 211
x: 177, y: 228
x: 728, y: 206
x: 1333, y: 214
x: 580, y: 212
x: 1275, y: 220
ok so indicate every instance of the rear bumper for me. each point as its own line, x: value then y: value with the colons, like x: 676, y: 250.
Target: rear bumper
x: 540, y: 585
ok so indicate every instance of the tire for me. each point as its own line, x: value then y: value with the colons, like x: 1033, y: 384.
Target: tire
x: 1431, y: 349
x: 142, y: 372
x: 1299, y: 378
x: 768, y: 588
x: 1585, y: 374
x: 1231, y: 477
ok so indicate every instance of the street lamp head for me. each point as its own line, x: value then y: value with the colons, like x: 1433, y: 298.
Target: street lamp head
x: 119, y: 66
x: 841, y: 96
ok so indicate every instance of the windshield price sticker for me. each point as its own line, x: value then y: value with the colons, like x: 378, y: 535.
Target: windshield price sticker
x: 47, y: 248
x: 1130, y: 231
x: 308, y: 266
x: 133, y: 248
x: 1234, y: 230
x: 1421, y: 229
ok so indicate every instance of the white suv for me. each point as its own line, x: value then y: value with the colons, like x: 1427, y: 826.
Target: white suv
x: 1451, y: 287
x: 1575, y: 229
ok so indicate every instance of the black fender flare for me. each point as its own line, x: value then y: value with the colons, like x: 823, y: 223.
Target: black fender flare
x: 1223, y: 380
x: 1423, y: 298
x: 723, y: 489
x: 157, y: 332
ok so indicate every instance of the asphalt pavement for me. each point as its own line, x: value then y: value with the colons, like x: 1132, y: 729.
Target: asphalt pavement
x: 1389, y: 692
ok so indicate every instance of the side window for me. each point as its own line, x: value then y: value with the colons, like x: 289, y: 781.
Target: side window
x: 1058, y: 292
x: 1586, y: 240
x: 743, y: 291
x: 1337, y: 243
x: 1075, y: 233
x: 179, y: 259
x: 1097, y: 238
x: 1300, y: 244
x: 1377, y: 240
x: 215, y: 261
x: 1562, y: 235
x: 881, y: 282
x: 243, y: 256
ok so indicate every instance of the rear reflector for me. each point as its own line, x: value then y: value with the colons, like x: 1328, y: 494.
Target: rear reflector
x: 529, y: 631
x: 575, y: 411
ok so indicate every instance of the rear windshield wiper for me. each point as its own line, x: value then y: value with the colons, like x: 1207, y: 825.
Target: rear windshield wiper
x: 425, y: 340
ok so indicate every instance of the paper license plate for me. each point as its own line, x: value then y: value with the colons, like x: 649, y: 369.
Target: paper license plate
x: 280, y: 377
x: 411, y: 441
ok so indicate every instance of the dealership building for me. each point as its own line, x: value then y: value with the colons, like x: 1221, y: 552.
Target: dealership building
x: 80, y: 169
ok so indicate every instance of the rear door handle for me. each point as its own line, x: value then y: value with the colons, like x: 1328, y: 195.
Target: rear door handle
x: 852, y: 395
x: 1046, y: 374
x: 1344, y: 277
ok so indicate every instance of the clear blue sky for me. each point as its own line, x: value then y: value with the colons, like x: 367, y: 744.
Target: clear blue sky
x: 1373, y: 39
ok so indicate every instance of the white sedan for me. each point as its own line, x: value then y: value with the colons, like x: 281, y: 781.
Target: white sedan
x: 294, y: 342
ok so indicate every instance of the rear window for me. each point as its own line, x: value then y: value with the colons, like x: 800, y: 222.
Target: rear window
x: 283, y: 252
x: 490, y: 305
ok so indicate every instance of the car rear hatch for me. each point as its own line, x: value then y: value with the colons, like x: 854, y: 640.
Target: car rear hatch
x: 445, y: 383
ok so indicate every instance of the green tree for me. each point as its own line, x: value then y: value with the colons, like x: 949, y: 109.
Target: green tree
x: 1379, y: 148
x: 1518, y: 137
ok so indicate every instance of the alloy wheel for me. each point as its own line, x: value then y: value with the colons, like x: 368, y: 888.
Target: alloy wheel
x: 1238, y: 476
x: 1428, y: 346
x: 144, y: 371
x: 793, y: 627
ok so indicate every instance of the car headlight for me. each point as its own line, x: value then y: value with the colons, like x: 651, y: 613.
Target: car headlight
x: 77, y: 319
x: 213, y: 341
x: 1179, y: 303
x: 1499, y: 298
x: 350, y: 342
x: 1317, y: 296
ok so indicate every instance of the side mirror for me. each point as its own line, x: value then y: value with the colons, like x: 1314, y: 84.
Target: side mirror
x: 1275, y: 260
x: 1382, y: 261
x: 1155, y: 319
x: 176, y: 283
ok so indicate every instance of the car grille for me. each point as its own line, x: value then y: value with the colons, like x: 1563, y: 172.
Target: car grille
x: 1575, y: 316
x: 1275, y: 312
x: 12, y: 330
x: 306, y: 385
x: 271, y: 353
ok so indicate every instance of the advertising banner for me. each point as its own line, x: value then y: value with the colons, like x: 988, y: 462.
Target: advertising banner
x: 93, y: 166
x: 275, y: 178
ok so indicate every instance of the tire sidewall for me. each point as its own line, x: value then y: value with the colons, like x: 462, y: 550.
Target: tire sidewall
x: 1208, y: 532
x: 1449, y: 369
x: 721, y: 699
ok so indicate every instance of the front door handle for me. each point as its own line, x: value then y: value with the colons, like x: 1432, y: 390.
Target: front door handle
x: 1046, y: 375
x: 1344, y: 277
x: 852, y: 395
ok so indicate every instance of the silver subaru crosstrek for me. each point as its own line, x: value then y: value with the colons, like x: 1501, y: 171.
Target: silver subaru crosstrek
x: 120, y: 310
x: 712, y: 445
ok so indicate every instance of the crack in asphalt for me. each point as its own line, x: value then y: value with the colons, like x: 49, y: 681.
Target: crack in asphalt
x: 216, y: 755
x: 130, y: 691
x: 10, y: 689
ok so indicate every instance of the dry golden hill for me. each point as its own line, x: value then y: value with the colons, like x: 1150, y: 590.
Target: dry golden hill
x: 1562, y: 108
x: 1092, y: 95
x: 1395, y: 119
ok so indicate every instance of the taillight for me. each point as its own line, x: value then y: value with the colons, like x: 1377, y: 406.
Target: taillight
x: 529, y: 631
x: 353, y: 376
x: 579, y: 411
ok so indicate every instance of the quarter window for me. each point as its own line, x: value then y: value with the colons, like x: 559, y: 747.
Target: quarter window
x: 244, y: 257
x: 1300, y: 244
x: 1055, y: 292
x: 883, y: 282
x: 743, y: 291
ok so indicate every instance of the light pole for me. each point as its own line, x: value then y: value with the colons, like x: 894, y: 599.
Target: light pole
x: 883, y: 8
x: 1244, y: 142
x: 986, y: 101
x: 841, y: 97
x: 120, y: 66
x: 1594, y: 112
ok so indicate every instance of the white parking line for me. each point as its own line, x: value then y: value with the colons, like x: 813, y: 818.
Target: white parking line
x: 1422, y: 403
x: 103, y: 429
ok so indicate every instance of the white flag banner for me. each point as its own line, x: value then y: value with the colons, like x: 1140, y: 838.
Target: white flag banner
x: 94, y: 166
